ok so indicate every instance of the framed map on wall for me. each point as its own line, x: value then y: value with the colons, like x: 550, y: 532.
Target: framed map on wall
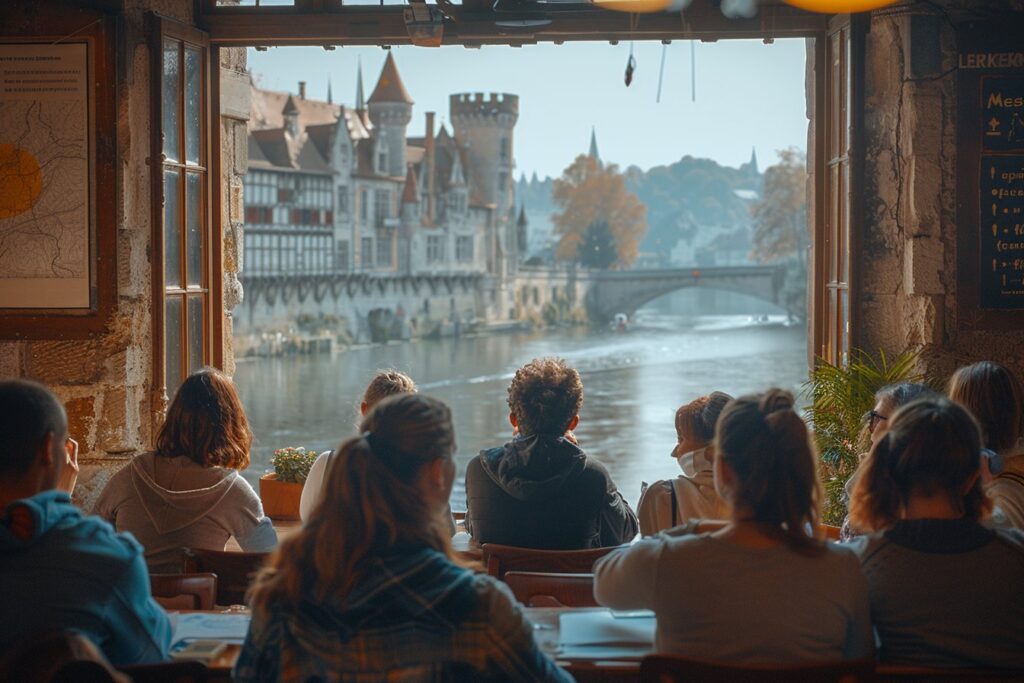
x: 58, y: 170
x: 45, y: 194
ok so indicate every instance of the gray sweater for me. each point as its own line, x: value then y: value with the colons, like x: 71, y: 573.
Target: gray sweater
x: 717, y: 600
x: 172, y: 503
x: 946, y: 593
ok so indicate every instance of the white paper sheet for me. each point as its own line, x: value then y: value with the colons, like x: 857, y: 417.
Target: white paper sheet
x: 599, y: 635
x: 227, y: 628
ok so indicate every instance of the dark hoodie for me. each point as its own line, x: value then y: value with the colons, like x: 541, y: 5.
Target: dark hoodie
x: 543, y: 491
x: 62, y: 570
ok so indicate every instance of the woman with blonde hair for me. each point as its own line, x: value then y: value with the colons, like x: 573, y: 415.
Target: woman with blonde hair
x: 941, y: 585
x: 367, y: 589
x: 762, y: 589
x: 994, y: 395
x: 692, y: 494
x: 187, y: 493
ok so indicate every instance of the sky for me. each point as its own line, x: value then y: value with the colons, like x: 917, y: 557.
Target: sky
x: 748, y: 95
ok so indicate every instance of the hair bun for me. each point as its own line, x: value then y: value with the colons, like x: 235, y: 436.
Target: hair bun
x: 775, y: 400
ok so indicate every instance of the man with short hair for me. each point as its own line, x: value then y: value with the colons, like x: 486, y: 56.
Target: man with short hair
x: 58, y: 568
x: 541, y: 490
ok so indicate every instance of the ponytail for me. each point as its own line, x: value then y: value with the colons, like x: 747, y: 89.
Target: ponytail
x: 766, y: 444
x: 933, y: 447
x: 370, y: 503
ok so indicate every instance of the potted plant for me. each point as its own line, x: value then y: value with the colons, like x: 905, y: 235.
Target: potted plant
x: 841, y: 395
x: 281, y: 490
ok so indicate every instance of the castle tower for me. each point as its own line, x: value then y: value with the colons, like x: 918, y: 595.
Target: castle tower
x: 390, y: 112
x: 484, y: 129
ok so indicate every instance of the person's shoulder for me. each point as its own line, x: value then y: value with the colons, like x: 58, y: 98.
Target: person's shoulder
x: 94, y: 541
x: 1011, y: 538
x: 864, y: 547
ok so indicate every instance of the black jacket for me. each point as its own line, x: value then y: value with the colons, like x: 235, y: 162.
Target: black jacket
x: 544, y: 492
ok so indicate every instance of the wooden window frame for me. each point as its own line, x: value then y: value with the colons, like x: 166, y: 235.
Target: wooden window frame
x: 161, y: 29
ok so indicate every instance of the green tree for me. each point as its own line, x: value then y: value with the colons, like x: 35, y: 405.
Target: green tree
x: 595, y: 206
x: 597, y: 250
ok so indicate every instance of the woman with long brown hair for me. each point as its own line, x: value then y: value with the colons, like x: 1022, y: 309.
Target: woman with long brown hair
x: 995, y: 396
x: 762, y: 589
x: 367, y: 589
x: 945, y: 591
x: 187, y: 492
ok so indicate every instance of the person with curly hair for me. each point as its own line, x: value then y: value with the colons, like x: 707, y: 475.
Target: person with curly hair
x: 187, y: 492
x: 541, y: 490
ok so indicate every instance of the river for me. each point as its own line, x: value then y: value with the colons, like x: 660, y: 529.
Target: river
x: 633, y: 382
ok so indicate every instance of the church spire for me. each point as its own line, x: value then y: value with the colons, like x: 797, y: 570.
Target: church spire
x: 593, y: 145
x: 330, y: 100
x: 360, y: 98
x: 753, y: 160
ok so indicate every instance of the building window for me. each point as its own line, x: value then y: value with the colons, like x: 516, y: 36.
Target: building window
x: 341, y: 256
x: 366, y: 252
x: 364, y: 205
x: 464, y: 249
x: 381, y: 205
x: 342, y: 211
x: 182, y: 277
x: 435, y: 249
x: 382, y: 155
x: 384, y: 252
x: 504, y: 149
x: 457, y: 203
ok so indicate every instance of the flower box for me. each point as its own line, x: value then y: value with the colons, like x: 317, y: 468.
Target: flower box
x: 280, y: 498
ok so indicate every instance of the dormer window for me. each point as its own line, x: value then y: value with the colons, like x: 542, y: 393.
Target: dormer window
x: 382, y: 156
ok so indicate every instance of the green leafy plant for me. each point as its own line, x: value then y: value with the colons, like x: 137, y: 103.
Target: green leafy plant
x: 292, y: 464
x: 841, y: 395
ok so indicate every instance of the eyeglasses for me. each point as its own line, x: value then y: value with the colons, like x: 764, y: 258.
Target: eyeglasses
x: 873, y: 417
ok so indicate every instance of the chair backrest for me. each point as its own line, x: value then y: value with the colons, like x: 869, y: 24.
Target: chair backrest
x: 545, y: 589
x: 506, y: 558
x: 234, y: 571
x: 184, y: 591
x: 168, y: 672
x: 667, y: 669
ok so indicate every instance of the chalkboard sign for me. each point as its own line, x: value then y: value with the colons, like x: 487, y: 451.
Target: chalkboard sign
x: 990, y: 178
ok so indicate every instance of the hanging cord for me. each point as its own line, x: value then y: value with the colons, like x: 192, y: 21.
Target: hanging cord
x: 634, y: 20
x: 661, y: 72
x: 693, y: 70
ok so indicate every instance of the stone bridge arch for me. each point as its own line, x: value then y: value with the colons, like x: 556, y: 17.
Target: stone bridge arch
x: 625, y: 291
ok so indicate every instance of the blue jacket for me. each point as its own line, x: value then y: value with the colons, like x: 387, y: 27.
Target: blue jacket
x: 61, y: 570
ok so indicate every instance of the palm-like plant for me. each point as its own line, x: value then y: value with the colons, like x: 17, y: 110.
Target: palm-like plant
x: 841, y: 395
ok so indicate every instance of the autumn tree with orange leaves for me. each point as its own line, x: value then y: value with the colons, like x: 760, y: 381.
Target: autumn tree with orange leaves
x: 594, y: 201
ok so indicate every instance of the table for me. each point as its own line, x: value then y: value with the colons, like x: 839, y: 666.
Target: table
x: 546, y: 633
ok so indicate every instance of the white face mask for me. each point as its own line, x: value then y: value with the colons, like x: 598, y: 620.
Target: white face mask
x: 694, y: 462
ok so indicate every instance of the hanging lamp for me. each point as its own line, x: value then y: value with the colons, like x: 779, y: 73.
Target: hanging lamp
x: 839, y: 6
x: 641, y: 6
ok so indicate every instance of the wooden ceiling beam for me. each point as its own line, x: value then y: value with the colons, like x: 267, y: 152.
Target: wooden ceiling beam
x: 375, y: 25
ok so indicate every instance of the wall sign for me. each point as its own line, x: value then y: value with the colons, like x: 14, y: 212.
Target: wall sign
x: 990, y: 179
x: 45, y: 198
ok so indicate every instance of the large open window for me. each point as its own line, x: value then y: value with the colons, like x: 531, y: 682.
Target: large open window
x: 187, y: 320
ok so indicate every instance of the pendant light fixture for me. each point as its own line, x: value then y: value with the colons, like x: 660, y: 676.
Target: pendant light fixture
x: 839, y: 6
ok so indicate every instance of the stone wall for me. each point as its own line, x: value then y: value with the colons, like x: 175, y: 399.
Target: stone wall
x: 105, y: 381
x: 908, y: 262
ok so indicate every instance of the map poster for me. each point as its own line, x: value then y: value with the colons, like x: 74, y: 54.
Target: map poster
x: 44, y: 176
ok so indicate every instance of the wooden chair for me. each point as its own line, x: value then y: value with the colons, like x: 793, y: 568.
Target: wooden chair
x: 168, y: 672
x: 506, y: 558
x: 831, y: 532
x: 184, y: 591
x: 543, y: 589
x: 890, y: 673
x: 667, y: 669
x: 234, y: 571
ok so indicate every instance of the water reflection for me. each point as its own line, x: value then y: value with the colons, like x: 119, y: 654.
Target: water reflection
x: 632, y: 382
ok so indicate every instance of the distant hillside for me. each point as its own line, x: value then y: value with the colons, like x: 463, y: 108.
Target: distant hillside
x: 694, y: 200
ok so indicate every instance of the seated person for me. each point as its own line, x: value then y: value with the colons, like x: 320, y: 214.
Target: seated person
x: 692, y: 494
x: 760, y: 590
x: 994, y: 395
x: 376, y: 596
x: 945, y: 591
x: 60, y: 569
x: 540, y: 490
x: 187, y: 493
x: 888, y: 400
x: 385, y: 383
x: 59, y: 657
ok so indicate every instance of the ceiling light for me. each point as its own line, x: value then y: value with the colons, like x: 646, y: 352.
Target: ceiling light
x: 642, y: 6
x: 839, y: 6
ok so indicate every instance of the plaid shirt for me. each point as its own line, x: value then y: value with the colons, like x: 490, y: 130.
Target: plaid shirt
x: 415, y: 616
